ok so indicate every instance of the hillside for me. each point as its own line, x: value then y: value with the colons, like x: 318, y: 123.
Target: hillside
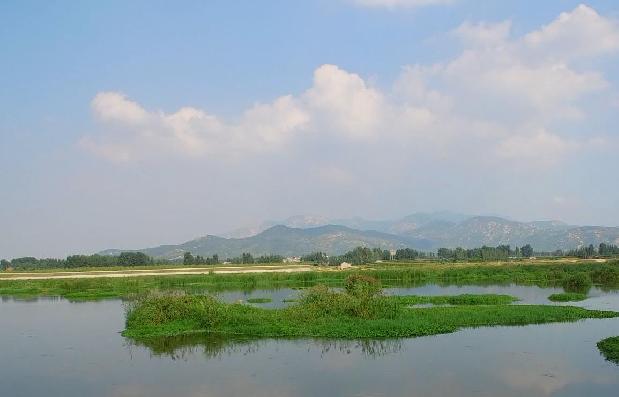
x: 286, y: 241
x: 424, y: 231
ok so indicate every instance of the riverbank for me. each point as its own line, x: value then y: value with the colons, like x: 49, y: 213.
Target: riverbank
x: 268, y: 277
x: 154, y: 271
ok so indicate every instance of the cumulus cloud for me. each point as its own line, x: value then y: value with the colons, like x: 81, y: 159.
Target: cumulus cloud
x: 539, y: 146
x: 579, y: 33
x: 534, y: 71
x: 138, y: 133
x: 506, y: 96
x: 344, y: 102
x: 114, y: 106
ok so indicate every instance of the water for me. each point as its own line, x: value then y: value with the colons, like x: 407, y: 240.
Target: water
x: 528, y: 295
x: 58, y: 348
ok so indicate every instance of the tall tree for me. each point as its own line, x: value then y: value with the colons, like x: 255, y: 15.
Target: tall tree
x: 527, y: 251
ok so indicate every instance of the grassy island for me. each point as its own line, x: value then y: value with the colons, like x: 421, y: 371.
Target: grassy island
x: 609, y: 348
x: 259, y: 300
x: 360, y: 311
x: 568, y: 297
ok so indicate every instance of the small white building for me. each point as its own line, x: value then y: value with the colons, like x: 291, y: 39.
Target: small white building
x: 292, y: 259
x: 344, y: 266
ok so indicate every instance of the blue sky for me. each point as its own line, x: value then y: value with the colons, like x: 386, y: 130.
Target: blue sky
x: 125, y: 124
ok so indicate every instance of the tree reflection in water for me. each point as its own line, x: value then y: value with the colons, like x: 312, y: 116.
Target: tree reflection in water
x: 216, y: 346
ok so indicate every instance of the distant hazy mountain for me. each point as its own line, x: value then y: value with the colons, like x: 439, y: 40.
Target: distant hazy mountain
x: 287, y: 241
x: 297, y: 221
x: 304, y: 234
x: 485, y: 230
x: 396, y: 226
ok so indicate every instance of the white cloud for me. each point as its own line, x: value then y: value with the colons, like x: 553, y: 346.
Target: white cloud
x: 499, y: 96
x: 539, y: 147
x: 579, y: 33
x: 400, y: 3
x: 533, y: 72
x: 114, y: 106
x: 345, y: 103
x: 272, y: 122
x: 138, y: 133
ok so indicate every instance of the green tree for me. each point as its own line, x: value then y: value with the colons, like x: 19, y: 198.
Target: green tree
x: 527, y: 251
x: 188, y: 259
x: 318, y: 258
x: 133, y: 259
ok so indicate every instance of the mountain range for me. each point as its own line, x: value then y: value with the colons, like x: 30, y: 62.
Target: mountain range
x: 304, y: 234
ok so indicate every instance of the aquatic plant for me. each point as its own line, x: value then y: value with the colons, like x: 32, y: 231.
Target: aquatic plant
x: 323, y: 312
x: 259, y: 300
x: 609, y: 348
x: 579, y: 282
x: 567, y: 297
x: 456, y: 300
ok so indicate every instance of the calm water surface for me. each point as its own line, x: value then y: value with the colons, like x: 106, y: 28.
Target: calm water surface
x: 58, y: 348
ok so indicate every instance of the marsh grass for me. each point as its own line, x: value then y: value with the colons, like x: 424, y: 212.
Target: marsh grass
x: 456, y: 300
x: 259, y: 300
x: 579, y: 283
x: 568, y: 297
x: 358, y: 312
x: 568, y: 275
x: 609, y: 348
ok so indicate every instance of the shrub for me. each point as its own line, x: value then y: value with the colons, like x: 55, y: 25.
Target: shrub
x: 606, y: 275
x: 579, y: 282
x: 362, y: 286
x: 158, y: 309
x: 362, y: 299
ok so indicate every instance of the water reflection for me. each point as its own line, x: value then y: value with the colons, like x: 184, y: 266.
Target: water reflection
x: 184, y: 347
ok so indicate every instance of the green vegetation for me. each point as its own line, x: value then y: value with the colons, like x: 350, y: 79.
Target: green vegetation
x: 456, y: 300
x: 502, y: 252
x: 190, y: 260
x: 610, y: 349
x: 568, y: 297
x: 357, y: 256
x: 604, y: 250
x: 579, y: 282
x: 361, y: 311
x: 125, y: 259
x: 246, y: 258
x: 390, y: 275
x: 259, y: 300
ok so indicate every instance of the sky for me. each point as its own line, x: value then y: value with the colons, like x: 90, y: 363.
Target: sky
x: 126, y: 124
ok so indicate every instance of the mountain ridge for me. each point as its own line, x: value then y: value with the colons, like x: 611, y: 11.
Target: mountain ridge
x: 422, y: 231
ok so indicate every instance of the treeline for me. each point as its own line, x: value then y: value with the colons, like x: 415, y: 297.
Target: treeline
x: 603, y: 250
x: 245, y: 258
x: 127, y: 259
x: 357, y: 256
x: 361, y: 255
x: 485, y: 253
x: 189, y: 259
